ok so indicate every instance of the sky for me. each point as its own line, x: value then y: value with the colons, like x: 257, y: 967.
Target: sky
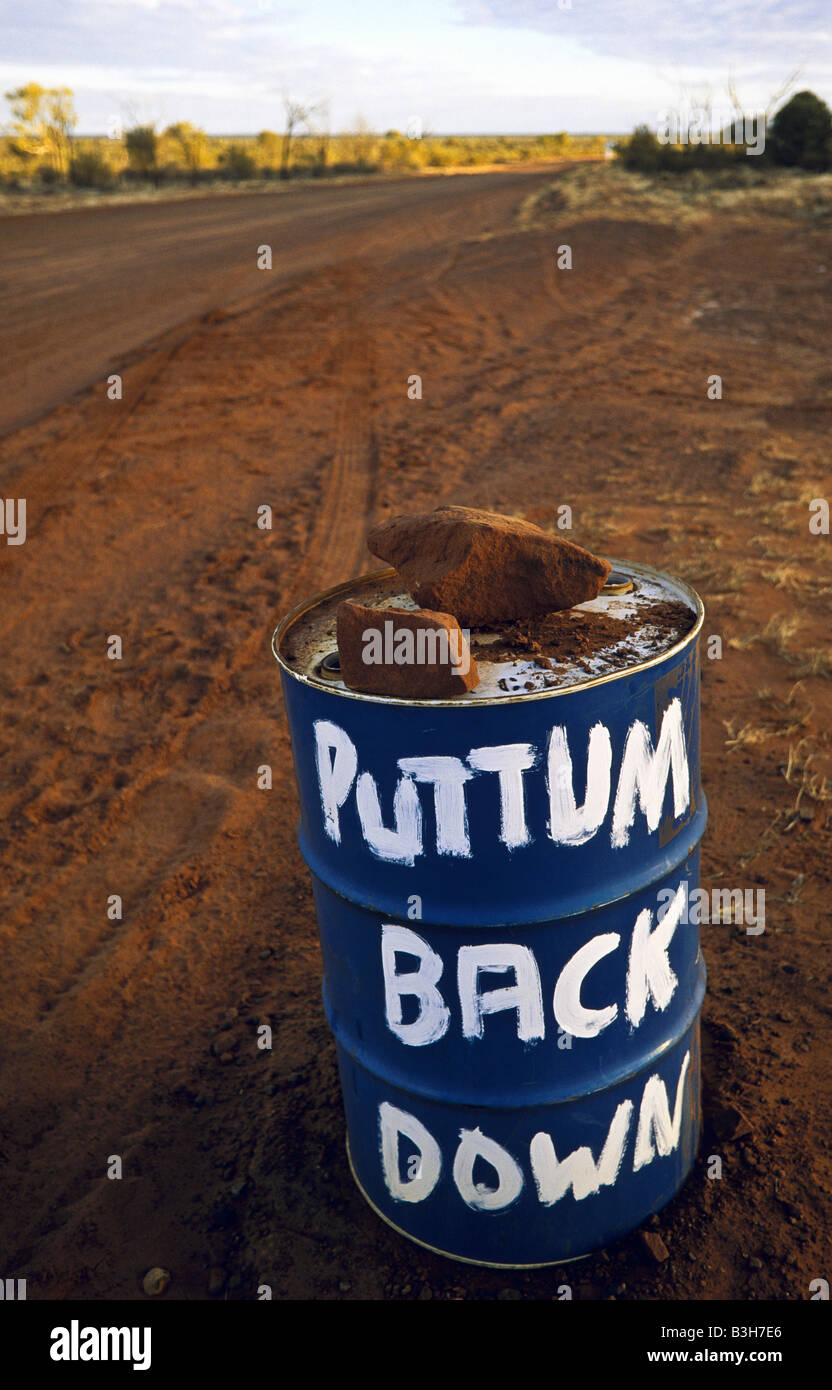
x: 463, y: 66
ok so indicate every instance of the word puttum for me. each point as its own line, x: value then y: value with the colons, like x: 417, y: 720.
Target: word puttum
x: 643, y: 776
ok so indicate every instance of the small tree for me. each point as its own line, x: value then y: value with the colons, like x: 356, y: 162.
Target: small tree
x: 192, y: 144
x: 238, y: 162
x: 298, y: 114
x: 320, y: 132
x: 43, y: 119
x: 640, y: 151
x: 143, y: 151
x: 363, y: 142
x: 801, y: 133
x: 88, y: 168
x: 268, y: 148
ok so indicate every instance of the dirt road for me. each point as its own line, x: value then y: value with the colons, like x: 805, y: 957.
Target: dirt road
x: 135, y: 1035
x: 81, y: 288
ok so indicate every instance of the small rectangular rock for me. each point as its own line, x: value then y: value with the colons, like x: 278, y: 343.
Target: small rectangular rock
x: 405, y: 653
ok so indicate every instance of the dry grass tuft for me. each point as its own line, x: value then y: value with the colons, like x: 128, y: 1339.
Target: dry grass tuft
x: 810, y: 491
x: 817, y: 661
x: 786, y: 577
x: 786, y: 719
x: 789, y: 717
x: 798, y: 773
x: 747, y: 737
x: 777, y: 634
x: 717, y: 579
x: 766, y: 482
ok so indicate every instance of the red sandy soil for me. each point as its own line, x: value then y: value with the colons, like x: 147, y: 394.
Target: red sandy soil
x: 139, y: 776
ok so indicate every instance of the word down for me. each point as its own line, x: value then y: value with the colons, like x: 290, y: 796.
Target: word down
x: 657, y: 1134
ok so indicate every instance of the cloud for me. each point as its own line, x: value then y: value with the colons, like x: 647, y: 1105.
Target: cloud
x: 213, y: 60
x: 196, y: 34
x: 761, y: 34
x: 461, y: 64
x: 225, y: 65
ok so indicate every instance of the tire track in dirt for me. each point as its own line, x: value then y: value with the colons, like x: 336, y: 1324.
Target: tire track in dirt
x: 337, y: 548
x: 104, y: 428
x: 335, y: 552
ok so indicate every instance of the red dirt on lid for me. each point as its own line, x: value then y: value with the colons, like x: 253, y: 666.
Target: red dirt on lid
x: 576, y: 636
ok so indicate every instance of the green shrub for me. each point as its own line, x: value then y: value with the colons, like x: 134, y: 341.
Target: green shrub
x: 801, y: 133
x: 89, y: 169
x: 641, y: 151
x: 644, y: 152
x: 238, y: 163
x: 269, y: 149
x: 143, y: 150
x: 190, y: 146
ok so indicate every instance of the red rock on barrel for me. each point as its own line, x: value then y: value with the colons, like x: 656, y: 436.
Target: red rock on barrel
x: 417, y: 655
x: 486, y: 568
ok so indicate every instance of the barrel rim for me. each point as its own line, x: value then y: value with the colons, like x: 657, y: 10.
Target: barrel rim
x: 456, y: 702
x: 378, y: 908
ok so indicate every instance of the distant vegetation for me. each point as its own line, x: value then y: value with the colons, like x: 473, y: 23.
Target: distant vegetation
x: 41, y: 150
x: 798, y: 136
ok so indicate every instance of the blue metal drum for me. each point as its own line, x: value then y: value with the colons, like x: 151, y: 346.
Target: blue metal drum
x: 501, y: 883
